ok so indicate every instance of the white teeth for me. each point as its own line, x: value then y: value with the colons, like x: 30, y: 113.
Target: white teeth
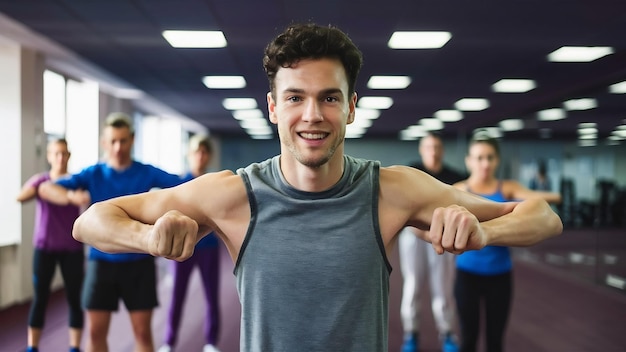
x: 313, y: 135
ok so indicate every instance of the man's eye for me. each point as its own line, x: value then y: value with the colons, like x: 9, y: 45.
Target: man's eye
x: 293, y: 99
x: 331, y: 99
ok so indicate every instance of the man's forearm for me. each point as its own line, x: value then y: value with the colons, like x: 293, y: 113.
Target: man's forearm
x: 108, y: 228
x: 531, y: 221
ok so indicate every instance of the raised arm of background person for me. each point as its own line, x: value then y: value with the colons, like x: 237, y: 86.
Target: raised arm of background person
x: 169, y: 222
x: 29, y: 190
x: 59, y: 195
x: 515, y: 190
x: 458, y: 220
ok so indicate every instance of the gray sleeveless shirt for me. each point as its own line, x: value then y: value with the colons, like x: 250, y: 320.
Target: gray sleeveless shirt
x: 312, y: 274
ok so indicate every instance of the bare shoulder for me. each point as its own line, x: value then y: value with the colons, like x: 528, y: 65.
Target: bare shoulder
x: 223, y: 187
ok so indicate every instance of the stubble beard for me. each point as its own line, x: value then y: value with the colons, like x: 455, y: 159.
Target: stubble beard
x: 313, y: 162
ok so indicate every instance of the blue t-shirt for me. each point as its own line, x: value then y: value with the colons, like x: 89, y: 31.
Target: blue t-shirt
x: 491, y: 260
x: 104, y: 182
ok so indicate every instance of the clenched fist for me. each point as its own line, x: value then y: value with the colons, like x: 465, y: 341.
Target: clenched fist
x: 454, y: 229
x: 173, y: 236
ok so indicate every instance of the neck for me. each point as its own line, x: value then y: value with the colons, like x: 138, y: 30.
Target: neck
x: 312, y: 179
x: 434, y: 168
x: 56, y: 173
x: 120, y: 165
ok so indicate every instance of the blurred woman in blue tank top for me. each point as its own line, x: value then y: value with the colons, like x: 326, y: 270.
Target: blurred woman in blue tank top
x: 484, y: 277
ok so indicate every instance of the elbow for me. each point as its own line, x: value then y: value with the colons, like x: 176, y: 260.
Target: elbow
x: 557, y: 225
x: 76, y: 230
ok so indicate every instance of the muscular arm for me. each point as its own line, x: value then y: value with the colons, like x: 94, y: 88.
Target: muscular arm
x: 459, y: 220
x: 167, y: 222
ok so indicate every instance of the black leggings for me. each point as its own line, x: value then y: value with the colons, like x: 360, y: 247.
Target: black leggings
x: 495, y: 292
x: 72, y: 270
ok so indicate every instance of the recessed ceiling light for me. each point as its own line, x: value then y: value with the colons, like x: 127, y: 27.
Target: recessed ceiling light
x: 580, y: 104
x: 224, y: 82
x: 195, y: 39
x: 551, y: 114
x: 361, y: 123
x: 413, y: 132
x: 513, y: 85
x: 388, y: 82
x: 353, y: 131
x: 249, y: 114
x: 618, y: 88
x: 375, y: 102
x: 472, y: 104
x: 261, y: 136
x: 619, y: 133
x: 587, y: 124
x: 579, y: 53
x: 239, y: 103
x: 370, y: 114
x: 253, y: 123
x: 511, y: 125
x: 431, y: 124
x: 262, y: 130
x: 448, y: 115
x: 418, y: 39
x: 588, y: 130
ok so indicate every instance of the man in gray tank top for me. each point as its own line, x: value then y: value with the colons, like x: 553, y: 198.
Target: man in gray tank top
x: 310, y: 229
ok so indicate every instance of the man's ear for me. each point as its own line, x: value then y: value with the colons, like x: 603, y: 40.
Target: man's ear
x: 271, y: 108
x: 352, y: 107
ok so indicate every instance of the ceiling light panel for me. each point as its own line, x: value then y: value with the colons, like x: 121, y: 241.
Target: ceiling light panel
x: 248, y: 114
x: 618, y: 88
x: 388, y: 82
x: 195, y: 39
x: 370, y: 114
x: 375, y: 103
x: 224, y: 82
x: 510, y: 125
x: 418, y: 40
x: 239, y: 103
x: 580, y: 104
x: 513, y: 85
x: 551, y: 114
x: 448, y: 115
x: 431, y: 124
x: 472, y: 104
x: 579, y: 53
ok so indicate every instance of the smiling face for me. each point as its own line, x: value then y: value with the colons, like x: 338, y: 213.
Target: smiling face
x: 311, y: 109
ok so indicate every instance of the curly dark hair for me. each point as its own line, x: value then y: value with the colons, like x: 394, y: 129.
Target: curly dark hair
x: 311, y: 41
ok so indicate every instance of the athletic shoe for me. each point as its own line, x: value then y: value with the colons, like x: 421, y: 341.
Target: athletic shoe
x: 411, y: 343
x: 210, y: 348
x: 165, y: 348
x: 449, y: 345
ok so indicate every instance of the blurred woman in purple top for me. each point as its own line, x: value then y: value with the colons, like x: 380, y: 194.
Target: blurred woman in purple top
x: 54, y: 245
x: 205, y: 257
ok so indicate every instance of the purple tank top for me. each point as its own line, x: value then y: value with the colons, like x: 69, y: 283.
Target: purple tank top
x: 53, y: 223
